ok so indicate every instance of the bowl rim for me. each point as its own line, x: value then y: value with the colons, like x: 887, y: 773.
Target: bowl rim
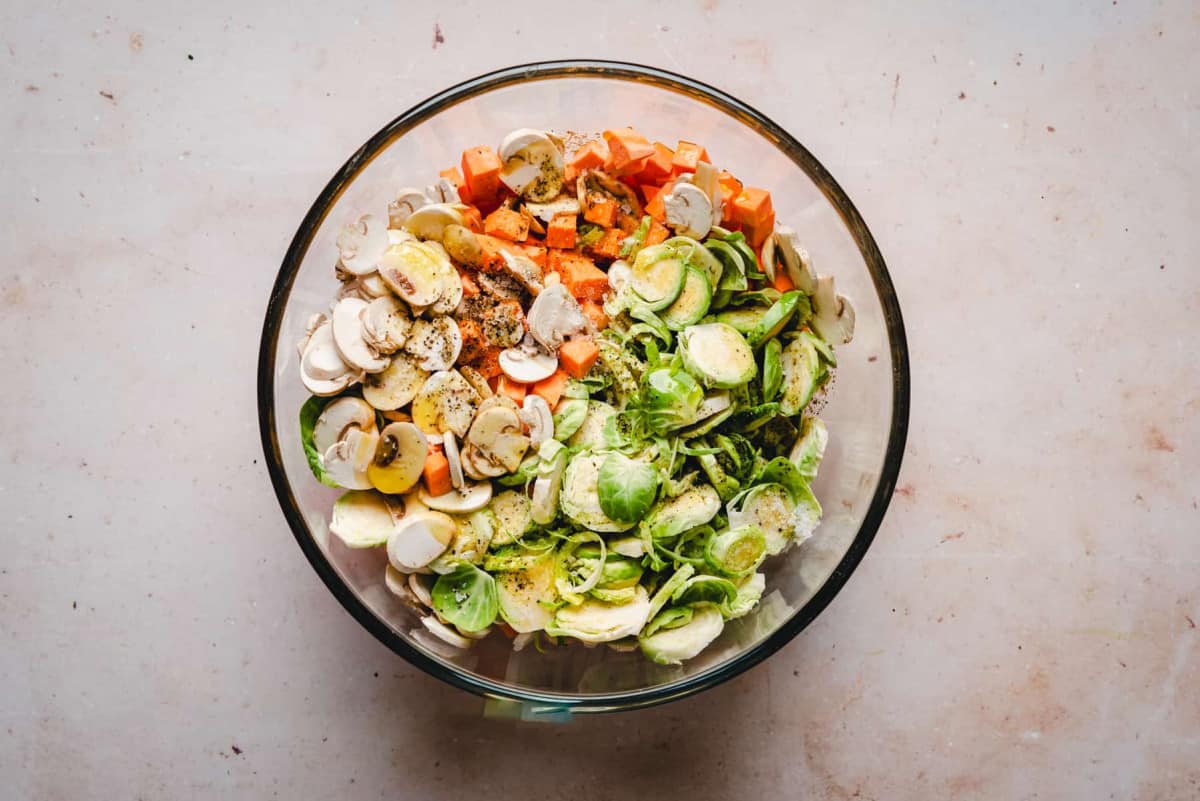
x: 550, y: 702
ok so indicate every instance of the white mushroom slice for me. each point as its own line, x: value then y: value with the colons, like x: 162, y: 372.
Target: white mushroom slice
x: 310, y: 328
x: 414, y: 272
x: 321, y: 359
x: 477, y: 467
x: 397, y: 385
x: 499, y: 400
x: 361, y: 244
x: 535, y: 413
x: 420, y: 588
x: 420, y: 538
x: 399, y: 459
x: 346, y: 461
x: 496, y: 434
x: 320, y: 354
x: 408, y: 200
x: 554, y: 315
x: 471, y: 498
x: 446, y: 402
x: 338, y: 418
x: 477, y: 381
x: 688, y: 210
x: 833, y: 317
x: 526, y: 367
x: 707, y: 178
x: 386, y: 324
x: 553, y: 462
x: 546, y: 211
x: 533, y: 164
x: 429, y: 222
x: 444, y: 191
x: 452, y: 292
x: 784, y: 246
x: 435, y: 343
x: 348, y: 336
x: 619, y: 273
x: 374, y: 286
x: 445, y: 633
x: 522, y: 268
x: 362, y: 519
x: 453, y: 459
x: 397, y: 584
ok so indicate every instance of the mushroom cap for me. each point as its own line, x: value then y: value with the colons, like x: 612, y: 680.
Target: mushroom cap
x: 408, y: 200
x: 418, y: 539
x: 533, y: 164
x: 338, y: 418
x: 348, y: 336
x: 688, y: 210
x: 496, y: 434
x: 554, y: 315
x: 346, y: 461
x: 536, y: 414
x: 435, y: 343
x: 471, y: 498
x: 321, y: 353
x: 386, y: 324
x: 833, y: 319
x: 361, y: 244
x: 527, y: 367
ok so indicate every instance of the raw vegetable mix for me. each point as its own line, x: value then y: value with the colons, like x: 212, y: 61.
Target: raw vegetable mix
x: 567, y: 388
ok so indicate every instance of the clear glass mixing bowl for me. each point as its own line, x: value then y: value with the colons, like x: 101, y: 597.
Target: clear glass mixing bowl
x: 866, y: 408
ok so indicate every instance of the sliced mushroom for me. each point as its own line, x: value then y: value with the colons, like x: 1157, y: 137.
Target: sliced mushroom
x: 397, y: 236
x: 546, y: 211
x: 310, y: 327
x: 463, y: 245
x: 347, y: 460
x: 444, y: 191
x: 688, y: 210
x: 420, y: 588
x: 446, y: 402
x: 535, y: 413
x: 504, y: 325
x: 833, y: 317
x: 553, y: 316
x: 707, y: 179
x: 397, y: 584
x: 399, y: 458
x: 595, y: 185
x: 496, y: 434
x: 348, y: 336
x: 338, y: 418
x: 782, y: 250
x: 436, y: 343
x: 429, y: 222
x: 444, y: 633
x: 452, y: 288
x: 477, y: 381
x: 419, y: 538
x: 397, y: 385
x: 415, y: 272
x: 408, y: 200
x: 477, y: 467
x: 361, y: 244
x: 533, y: 164
x: 386, y: 324
x: 527, y: 365
x: 321, y: 356
x: 453, y: 459
x: 522, y: 268
x: 471, y: 498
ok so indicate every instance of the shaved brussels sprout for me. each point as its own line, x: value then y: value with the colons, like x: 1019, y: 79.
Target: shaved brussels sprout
x: 705, y: 590
x: 626, y: 487
x: 736, y: 551
x: 670, y: 399
x: 467, y: 598
x: 810, y: 447
x: 748, y: 594
x: 672, y: 646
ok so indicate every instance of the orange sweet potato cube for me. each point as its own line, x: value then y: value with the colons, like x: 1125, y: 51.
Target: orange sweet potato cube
x: 561, y: 231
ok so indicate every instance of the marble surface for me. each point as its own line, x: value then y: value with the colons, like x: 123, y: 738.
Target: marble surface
x: 1025, y: 625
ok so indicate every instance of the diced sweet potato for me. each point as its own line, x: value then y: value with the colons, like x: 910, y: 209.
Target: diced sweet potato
x: 481, y: 175
x: 589, y: 157
x: 658, y: 168
x: 514, y: 390
x: 595, y: 312
x: 436, y: 472
x: 654, y: 206
x: 561, y: 231
x: 551, y: 389
x: 473, y: 219
x: 582, y: 278
x: 752, y: 206
x: 474, y: 346
x: 627, y: 222
x: 600, y: 209
x: 630, y: 150
x: 535, y: 253
x: 607, y: 247
x: 577, y: 356
x: 489, y: 364
x: 657, y: 233
x: 506, y: 224
x: 687, y: 156
x: 470, y: 288
x: 756, y: 233
x: 493, y: 261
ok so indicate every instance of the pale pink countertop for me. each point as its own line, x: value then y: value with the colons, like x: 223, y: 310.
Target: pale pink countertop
x: 1025, y: 625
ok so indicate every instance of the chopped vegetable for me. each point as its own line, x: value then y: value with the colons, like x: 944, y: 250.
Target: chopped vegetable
x: 561, y: 231
x: 436, y: 472
x: 577, y: 356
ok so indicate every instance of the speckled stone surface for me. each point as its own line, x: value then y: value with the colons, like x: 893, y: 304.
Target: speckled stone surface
x: 1025, y: 625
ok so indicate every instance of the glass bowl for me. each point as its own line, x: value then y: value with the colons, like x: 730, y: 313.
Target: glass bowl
x: 866, y: 408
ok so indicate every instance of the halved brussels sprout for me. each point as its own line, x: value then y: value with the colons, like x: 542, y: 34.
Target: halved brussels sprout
x: 466, y: 598
x: 673, y: 646
x: 736, y: 552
